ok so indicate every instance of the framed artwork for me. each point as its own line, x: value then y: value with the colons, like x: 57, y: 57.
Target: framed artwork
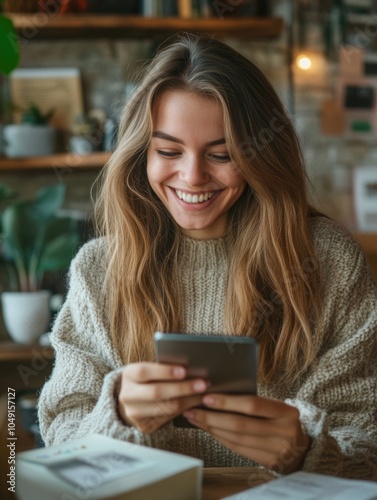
x: 49, y: 88
x: 365, y: 197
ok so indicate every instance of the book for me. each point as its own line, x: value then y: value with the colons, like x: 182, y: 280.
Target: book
x: 149, y: 8
x: 98, y: 467
x: 205, y: 8
x: 308, y: 486
x: 185, y: 8
x: 169, y: 8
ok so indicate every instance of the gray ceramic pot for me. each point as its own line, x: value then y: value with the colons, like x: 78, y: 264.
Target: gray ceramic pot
x: 24, y: 140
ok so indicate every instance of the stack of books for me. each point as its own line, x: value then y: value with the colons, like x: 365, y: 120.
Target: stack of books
x: 201, y: 8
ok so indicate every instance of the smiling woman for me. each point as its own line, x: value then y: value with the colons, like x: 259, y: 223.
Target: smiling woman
x: 206, y: 229
x: 193, y: 174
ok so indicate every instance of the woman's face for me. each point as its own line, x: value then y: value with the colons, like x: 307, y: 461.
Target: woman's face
x: 188, y: 163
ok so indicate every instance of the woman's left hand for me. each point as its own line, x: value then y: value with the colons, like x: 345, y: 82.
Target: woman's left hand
x: 264, y: 430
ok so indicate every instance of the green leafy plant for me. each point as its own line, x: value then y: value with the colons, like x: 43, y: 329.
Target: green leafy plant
x: 34, y: 116
x: 36, y: 240
x: 9, y: 45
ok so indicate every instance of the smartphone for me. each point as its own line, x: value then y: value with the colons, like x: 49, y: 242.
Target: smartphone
x: 229, y: 363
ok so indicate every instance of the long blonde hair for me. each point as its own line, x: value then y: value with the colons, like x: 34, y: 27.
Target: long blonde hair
x: 273, y: 284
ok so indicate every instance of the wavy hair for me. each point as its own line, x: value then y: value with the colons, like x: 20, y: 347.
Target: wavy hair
x: 273, y: 289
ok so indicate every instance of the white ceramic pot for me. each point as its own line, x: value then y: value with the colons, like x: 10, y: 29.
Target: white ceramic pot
x: 29, y: 140
x: 26, y: 315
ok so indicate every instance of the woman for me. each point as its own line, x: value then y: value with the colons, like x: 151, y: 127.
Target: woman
x: 206, y: 229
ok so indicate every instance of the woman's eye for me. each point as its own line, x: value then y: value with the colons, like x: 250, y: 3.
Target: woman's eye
x: 166, y: 154
x: 220, y: 158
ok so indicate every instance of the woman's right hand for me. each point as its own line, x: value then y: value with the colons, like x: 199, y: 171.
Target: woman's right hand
x: 152, y: 394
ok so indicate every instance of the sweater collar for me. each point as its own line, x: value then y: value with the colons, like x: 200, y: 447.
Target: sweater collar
x: 198, y: 253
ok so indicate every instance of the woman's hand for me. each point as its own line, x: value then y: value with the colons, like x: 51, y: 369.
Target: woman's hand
x: 266, y: 431
x: 151, y: 394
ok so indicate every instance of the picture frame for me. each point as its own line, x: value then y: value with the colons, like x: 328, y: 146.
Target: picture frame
x: 365, y: 198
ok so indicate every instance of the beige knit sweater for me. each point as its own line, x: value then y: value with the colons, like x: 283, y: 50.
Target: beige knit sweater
x: 337, y: 400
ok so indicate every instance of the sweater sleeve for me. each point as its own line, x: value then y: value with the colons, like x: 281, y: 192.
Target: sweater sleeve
x: 338, y: 401
x: 78, y: 399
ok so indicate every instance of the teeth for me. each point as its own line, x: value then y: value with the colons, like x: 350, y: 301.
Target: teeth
x: 188, y: 198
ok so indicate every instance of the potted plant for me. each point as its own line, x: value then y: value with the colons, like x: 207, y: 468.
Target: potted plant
x: 32, y: 137
x: 86, y: 135
x: 35, y: 239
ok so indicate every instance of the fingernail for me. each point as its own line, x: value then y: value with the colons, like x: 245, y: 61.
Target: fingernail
x: 179, y: 372
x: 208, y: 400
x: 200, y: 386
x: 188, y: 414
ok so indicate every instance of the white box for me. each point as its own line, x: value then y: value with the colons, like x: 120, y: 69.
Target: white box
x: 97, y: 467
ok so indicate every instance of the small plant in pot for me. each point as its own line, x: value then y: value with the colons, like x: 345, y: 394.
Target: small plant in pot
x: 34, y: 240
x: 32, y: 137
x: 86, y: 134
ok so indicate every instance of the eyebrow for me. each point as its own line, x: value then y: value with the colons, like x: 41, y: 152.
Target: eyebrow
x: 167, y: 137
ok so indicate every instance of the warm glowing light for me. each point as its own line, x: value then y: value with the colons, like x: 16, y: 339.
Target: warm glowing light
x: 304, y: 62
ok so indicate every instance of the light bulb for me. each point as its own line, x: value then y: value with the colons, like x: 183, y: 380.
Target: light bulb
x: 304, y: 62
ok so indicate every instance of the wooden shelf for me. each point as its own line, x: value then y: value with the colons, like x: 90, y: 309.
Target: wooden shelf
x: 10, y: 351
x: 41, y: 25
x: 64, y: 162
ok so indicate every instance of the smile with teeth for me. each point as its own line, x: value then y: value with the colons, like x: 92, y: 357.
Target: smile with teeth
x: 195, y: 198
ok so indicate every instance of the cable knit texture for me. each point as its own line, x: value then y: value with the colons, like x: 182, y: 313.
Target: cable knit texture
x: 336, y: 399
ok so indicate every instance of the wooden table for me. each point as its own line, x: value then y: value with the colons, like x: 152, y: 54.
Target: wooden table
x: 225, y: 481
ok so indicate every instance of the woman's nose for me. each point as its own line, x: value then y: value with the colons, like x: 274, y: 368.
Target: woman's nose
x: 193, y: 171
